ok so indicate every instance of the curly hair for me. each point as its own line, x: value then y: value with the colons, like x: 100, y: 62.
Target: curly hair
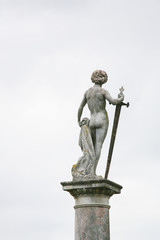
x: 99, y: 77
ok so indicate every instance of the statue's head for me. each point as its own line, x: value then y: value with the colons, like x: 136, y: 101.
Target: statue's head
x: 99, y: 77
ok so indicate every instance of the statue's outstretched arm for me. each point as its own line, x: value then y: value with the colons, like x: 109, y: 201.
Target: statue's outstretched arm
x: 80, y: 110
x: 111, y: 100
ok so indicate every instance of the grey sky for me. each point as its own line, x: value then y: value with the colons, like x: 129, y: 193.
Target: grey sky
x: 49, y: 50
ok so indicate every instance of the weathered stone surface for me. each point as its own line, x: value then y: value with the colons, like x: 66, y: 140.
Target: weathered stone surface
x: 102, y: 186
x: 92, y: 207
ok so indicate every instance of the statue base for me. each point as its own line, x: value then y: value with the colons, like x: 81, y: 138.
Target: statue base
x: 92, y: 207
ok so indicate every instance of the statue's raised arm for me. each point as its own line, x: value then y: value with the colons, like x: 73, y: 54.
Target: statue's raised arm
x: 111, y: 100
x: 93, y: 130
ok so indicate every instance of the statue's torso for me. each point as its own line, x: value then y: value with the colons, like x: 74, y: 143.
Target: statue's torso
x: 96, y: 104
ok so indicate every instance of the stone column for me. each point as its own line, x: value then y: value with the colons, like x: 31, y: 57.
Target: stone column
x: 92, y: 207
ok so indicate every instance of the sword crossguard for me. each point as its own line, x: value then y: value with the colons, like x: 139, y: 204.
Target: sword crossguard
x: 124, y: 104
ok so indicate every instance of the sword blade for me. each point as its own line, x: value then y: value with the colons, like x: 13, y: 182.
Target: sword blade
x: 113, y: 136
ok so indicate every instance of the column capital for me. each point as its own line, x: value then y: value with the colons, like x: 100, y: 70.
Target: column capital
x: 92, y: 187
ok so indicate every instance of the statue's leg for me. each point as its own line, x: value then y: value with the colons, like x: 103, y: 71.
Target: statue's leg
x: 93, y: 135
x: 100, y: 135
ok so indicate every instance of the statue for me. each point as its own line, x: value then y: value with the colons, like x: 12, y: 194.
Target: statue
x: 93, y: 131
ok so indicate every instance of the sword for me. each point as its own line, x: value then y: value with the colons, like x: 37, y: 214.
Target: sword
x: 114, y: 131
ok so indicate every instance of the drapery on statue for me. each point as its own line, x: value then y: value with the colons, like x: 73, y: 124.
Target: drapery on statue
x: 93, y: 131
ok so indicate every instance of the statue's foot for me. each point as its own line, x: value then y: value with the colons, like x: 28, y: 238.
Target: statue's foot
x: 87, y: 177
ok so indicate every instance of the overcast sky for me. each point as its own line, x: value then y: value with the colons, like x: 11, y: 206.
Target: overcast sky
x: 48, y: 51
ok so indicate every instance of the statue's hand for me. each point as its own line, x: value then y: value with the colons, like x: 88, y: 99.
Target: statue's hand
x: 121, y: 95
x: 85, y: 121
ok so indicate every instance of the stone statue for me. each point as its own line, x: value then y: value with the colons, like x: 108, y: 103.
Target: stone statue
x: 93, y: 131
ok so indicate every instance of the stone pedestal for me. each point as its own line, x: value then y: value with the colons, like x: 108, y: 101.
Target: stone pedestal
x: 92, y: 207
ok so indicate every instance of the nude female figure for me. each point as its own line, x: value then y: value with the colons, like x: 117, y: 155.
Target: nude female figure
x: 95, y: 97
